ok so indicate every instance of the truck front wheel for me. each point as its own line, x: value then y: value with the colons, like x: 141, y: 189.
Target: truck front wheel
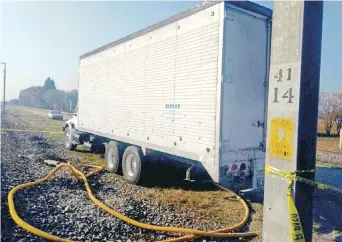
x: 68, y: 139
x: 112, y: 157
x: 132, y: 164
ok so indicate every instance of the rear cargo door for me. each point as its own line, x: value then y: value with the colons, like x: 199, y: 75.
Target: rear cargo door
x: 244, y: 77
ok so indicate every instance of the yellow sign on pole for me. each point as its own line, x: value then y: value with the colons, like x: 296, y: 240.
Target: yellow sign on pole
x: 281, y: 143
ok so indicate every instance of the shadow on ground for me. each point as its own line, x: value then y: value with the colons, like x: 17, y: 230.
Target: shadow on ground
x: 327, y: 209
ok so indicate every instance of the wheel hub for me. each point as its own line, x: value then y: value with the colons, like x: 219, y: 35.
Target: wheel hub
x: 67, y: 137
x: 131, y: 165
x: 111, y: 158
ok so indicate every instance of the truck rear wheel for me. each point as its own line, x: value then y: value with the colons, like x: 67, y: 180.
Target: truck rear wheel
x: 132, y: 164
x: 112, y: 157
x: 68, y: 139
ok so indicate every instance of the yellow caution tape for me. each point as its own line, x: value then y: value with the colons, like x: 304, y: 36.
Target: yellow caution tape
x: 292, y: 176
x: 223, y: 233
x: 30, y: 131
x: 297, y: 233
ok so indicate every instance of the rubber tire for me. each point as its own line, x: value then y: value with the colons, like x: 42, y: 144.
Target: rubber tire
x: 69, y: 146
x: 138, y: 156
x: 112, y: 148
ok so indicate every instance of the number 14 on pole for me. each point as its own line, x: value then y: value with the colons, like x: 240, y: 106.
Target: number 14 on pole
x: 282, y: 85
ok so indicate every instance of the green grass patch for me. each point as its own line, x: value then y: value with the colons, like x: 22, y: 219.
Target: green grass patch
x: 83, y: 156
x: 31, y: 119
x: 56, y: 136
x: 26, y: 118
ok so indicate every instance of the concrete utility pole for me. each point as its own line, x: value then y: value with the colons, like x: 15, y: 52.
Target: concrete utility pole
x: 4, y: 105
x: 292, y: 113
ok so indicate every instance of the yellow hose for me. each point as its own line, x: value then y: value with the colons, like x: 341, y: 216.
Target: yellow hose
x: 223, y: 233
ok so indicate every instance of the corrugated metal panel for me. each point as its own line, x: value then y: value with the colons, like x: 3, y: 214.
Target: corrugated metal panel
x: 196, y: 84
x: 124, y: 90
x: 246, y: 5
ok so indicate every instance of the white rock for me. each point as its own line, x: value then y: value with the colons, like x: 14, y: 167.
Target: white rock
x: 51, y: 162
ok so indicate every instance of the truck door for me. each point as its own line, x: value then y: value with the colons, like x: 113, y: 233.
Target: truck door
x: 245, y: 70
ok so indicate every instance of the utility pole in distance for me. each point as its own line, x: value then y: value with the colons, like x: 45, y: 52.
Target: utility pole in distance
x: 292, y: 113
x: 4, y: 99
x: 340, y: 146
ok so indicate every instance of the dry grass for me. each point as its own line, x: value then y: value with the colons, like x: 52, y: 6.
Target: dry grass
x: 84, y: 157
x: 331, y: 164
x: 329, y: 144
x: 321, y: 129
x: 220, y: 206
x: 255, y: 224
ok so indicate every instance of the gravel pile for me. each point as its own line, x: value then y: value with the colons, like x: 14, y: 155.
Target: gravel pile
x: 329, y: 157
x: 61, y: 206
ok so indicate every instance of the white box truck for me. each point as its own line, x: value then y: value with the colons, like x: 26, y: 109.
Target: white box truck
x: 192, y: 88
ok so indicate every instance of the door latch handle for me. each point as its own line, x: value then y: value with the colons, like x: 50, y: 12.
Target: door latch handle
x: 262, y: 146
x: 258, y: 124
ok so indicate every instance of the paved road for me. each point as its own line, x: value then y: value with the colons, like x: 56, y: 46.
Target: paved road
x: 329, y: 176
x: 327, y: 211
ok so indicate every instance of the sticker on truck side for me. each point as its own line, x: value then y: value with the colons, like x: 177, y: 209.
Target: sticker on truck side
x: 172, y: 106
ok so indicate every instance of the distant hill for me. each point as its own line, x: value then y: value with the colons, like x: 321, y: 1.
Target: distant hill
x: 47, y: 97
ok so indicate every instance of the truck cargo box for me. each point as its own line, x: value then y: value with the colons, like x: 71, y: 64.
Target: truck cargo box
x: 193, y: 86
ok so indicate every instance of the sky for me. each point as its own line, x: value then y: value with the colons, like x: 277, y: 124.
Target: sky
x: 45, y: 39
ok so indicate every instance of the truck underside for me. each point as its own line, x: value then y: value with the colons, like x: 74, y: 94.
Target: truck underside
x: 136, y: 163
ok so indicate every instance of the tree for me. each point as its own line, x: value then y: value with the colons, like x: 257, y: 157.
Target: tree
x: 31, y: 96
x: 330, y: 105
x: 47, y: 97
x: 339, y: 113
x: 56, y: 99
x: 49, y: 84
x: 14, y: 102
